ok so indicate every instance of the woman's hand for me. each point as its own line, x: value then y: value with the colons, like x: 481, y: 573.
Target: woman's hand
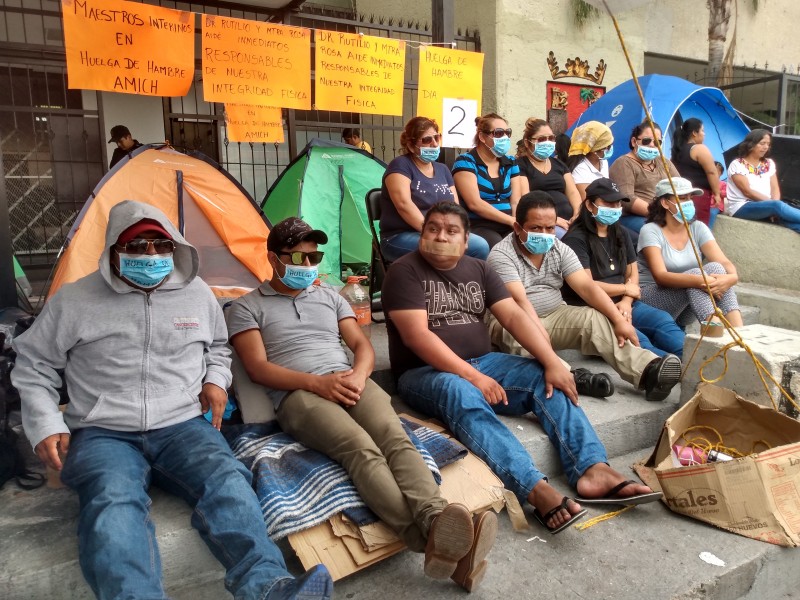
x: 625, y: 309
x: 563, y: 223
x: 632, y: 290
x: 719, y: 284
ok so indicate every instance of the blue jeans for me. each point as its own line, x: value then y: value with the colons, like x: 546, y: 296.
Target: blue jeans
x: 632, y: 222
x: 712, y: 217
x: 112, y: 470
x: 657, y: 330
x: 402, y: 243
x: 788, y: 216
x: 463, y: 409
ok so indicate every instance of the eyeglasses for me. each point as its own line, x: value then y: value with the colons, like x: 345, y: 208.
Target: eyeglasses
x: 648, y: 141
x: 542, y: 138
x: 298, y: 258
x: 498, y: 133
x: 430, y: 138
x: 140, y: 246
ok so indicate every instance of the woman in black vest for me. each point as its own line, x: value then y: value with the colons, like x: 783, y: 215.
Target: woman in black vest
x: 695, y: 162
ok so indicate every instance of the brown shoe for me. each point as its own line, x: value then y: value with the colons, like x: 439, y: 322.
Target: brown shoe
x: 471, y: 569
x: 449, y: 539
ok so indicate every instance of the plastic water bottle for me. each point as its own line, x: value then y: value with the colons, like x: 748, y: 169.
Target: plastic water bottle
x: 358, y: 298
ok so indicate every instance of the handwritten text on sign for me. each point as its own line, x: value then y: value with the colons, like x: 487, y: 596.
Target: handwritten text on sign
x: 359, y: 73
x: 250, y: 123
x: 120, y: 47
x: 446, y: 73
x: 253, y: 62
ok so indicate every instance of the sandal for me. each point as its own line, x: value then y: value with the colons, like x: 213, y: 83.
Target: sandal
x: 554, y: 530
x: 589, y: 384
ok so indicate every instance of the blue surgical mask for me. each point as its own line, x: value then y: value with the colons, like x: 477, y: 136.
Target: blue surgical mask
x: 299, y: 277
x: 646, y: 153
x: 688, y: 212
x: 501, y: 146
x: 145, y: 271
x: 543, y: 150
x: 428, y: 155
x: 607, y: 215
x: 609, y: 152
x: 539, y: 243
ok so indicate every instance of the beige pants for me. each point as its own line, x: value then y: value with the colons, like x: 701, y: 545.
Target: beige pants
x: 369, y: 441
x: 588, y: 330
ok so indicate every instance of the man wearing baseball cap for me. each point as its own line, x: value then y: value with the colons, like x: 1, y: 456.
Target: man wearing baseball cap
x: 142, y: 342
x: 121, y: 136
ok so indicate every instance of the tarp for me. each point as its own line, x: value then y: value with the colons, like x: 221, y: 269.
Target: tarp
x: 670, y: 100
x: 206, y: 204
x: 326, y: 185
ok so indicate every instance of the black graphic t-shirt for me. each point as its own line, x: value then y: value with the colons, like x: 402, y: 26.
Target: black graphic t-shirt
x: 455, y: 301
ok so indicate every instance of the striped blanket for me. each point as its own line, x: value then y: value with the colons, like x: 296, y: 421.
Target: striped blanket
x: 299, y: 488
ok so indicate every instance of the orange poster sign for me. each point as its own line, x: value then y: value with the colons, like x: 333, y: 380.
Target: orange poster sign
x: 446, y: 73
x: 254, y: 62
x: 251, y: 123
x: 359, y: 73
x: 128, y: 47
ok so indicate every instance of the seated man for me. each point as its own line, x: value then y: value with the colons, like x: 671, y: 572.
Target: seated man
x: 435, y: 299
x: 142, y: 344
x: 288, y: 335
x: 533, y: 264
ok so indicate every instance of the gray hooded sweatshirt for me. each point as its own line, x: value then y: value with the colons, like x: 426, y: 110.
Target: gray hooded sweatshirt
x: 133, y: 361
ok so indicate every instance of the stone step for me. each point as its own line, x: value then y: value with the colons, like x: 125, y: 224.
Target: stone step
x: 780, y: 307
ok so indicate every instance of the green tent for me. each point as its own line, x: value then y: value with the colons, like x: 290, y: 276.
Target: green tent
x: 326, y: 186
x: 22, y: 281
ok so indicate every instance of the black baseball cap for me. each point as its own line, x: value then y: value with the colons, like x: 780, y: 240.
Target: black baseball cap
x: 291, y: 231
x: 605, y: 189
x: 118, y: 132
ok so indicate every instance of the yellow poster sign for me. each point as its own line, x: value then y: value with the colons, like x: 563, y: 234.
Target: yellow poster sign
x: 446, y: 73
x: 253, y: 62
x: 251, y: 123
x: 128, y: 47
x: 359, y: 73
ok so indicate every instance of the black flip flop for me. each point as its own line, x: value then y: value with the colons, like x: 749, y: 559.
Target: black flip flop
x: 544, y: 519
x: 612, y: 498
x: 590, y: 384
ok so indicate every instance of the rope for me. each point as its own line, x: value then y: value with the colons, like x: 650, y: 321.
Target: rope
x: 706, y: 445
x: 599, y: 519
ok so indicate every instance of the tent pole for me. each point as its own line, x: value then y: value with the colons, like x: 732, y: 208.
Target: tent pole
x: 8, y: 283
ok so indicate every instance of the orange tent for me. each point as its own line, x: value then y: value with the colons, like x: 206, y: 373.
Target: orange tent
x: 207, y: 205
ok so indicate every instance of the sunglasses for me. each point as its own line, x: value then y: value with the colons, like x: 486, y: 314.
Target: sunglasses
x: 648, y: 141
x: 498, y: 133
x: 542, y: 138
x: 298, y: 258
x: 143, y: 246
x: 430, y: 138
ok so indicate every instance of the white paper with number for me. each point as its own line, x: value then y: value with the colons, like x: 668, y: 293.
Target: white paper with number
x: 458, y: 122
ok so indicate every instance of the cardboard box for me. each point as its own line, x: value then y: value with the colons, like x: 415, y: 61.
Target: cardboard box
x: 345, y: 548
x: 757, y: 496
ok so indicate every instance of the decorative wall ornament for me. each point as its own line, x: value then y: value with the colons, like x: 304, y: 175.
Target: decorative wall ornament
x: 575, y: 67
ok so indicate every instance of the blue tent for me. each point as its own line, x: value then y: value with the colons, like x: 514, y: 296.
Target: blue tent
x: 671, y: 100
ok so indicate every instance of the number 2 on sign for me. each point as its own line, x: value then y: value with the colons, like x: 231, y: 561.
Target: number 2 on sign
x: 458, y: 118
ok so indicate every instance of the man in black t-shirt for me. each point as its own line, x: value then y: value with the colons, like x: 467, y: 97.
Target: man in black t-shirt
x: 121, y: 136
x: 435, y: 300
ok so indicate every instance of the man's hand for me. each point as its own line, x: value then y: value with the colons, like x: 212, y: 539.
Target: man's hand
x: 558, y: 376
x: 625, y: 331
x: 52, y: 449
x: 340, y: 387
x: 214, y: 398
x: 492, y: 391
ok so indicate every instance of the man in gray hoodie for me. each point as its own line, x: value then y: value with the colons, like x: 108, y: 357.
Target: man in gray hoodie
x: 142, y: 342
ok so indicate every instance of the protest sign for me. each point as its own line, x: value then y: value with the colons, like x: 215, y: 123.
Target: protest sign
x: 251, y: 123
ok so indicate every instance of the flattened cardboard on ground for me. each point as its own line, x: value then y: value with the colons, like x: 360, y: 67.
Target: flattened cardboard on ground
x: 757, y: 496
x: 345, y: 548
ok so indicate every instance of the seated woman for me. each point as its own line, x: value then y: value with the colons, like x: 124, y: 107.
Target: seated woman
x: 542, y: 170
x: 753, y: 190
x: 414, y: 182
x: 670, y: 277
x: 487, y: 180
x: 696, y: 163
x: 637, y: 173
x: 606, y: 252
x: 591, y: 144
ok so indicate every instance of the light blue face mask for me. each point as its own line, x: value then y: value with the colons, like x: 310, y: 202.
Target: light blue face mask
x: 145, y: 271
x: 428, y: 155
x: 543, y: 150
x: 609, y: 152
x: 299, y: 277
x: 501, y: 146
x: 539, y: 243
x: 607, y: 215
x: 688, y: 212
x: 646, y: 153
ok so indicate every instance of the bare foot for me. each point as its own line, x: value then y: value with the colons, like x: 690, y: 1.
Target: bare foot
x: 600, y: 478
x: 545, y: 498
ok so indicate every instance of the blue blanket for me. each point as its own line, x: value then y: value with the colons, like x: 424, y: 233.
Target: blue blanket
x: 299, y: 488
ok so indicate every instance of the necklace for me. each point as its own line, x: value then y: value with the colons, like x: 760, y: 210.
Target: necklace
x: 544, y: 169
x: 610, y: 260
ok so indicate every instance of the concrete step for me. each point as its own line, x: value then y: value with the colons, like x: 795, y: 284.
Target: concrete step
x: 780, y: 307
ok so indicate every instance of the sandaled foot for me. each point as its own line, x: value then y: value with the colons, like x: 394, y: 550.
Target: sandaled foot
x: 449, y: 539
x: 471, y: 569
x: 614, y: 496
x: 597, y: 385
x: 545, y: 519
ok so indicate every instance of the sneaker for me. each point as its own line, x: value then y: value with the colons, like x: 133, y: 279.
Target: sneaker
x: 449, y: 539
x: 590, y: 384
x: 660, y: 376
x: 314, y: 584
